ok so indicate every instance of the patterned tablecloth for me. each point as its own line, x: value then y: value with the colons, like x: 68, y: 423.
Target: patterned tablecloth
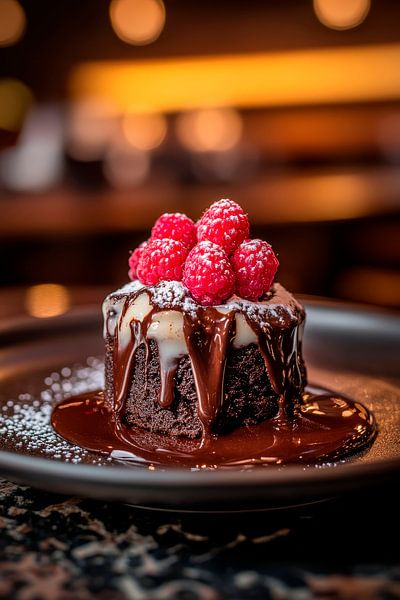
x: 52, y: 547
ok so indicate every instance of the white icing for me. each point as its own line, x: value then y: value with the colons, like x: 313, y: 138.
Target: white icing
x: 166, y: 328
x: 138, y: 310
x: 223, y: 309
x: 244, y: 333
x: 112, y: 307
x: 111, y: 313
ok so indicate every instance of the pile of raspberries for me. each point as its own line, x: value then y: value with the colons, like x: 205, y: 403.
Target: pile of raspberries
x: 213, y: 258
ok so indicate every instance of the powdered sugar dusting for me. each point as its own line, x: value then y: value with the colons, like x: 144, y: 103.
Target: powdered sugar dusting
x: 279, y: 308
x: 173, y: 294
x: 26, y: 420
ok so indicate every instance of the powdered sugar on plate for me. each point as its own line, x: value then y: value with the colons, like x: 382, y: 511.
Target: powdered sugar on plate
x: 26, y: 420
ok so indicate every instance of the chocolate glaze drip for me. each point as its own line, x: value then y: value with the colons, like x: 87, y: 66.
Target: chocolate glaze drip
x: 207, y: 339
x: 123, y: 359
x: 281, y: 358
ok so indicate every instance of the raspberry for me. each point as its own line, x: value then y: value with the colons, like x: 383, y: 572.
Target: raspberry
x: 161, y: 260
x: 254, y: 264
x: 225, y: 224
x: 208, y: 274
x: 134, y: 260
x: 175, y: 226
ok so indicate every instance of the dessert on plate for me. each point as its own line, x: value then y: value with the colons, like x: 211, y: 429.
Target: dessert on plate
x: 203, y: 357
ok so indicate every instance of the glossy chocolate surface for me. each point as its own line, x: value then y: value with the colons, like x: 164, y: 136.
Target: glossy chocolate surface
x: 327, y: 428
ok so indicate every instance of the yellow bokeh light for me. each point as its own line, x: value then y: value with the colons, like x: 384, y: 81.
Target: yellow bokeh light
x: 341, y: 14
x: 47, y: 300
x: 144, y: 131
x: 210, y: 130
x: 15, y: 100
x: 12, y: 22
x: 297, y: 77
x: 137, y: 22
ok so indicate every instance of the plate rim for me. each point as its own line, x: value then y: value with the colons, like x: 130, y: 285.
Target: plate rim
x: 200, y: 478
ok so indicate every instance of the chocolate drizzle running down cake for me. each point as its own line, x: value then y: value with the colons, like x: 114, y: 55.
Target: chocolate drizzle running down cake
x: 174, y: 366
x: 203, y: 361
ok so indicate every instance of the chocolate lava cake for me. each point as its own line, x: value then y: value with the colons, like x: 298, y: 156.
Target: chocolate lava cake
x: 201, y: 340
x: 149, y: 366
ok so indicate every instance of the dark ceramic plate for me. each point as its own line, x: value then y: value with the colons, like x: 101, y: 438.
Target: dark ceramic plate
x: 350, y: 349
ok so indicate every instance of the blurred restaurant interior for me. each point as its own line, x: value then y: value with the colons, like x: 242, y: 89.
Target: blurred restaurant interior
x: 114, y: 111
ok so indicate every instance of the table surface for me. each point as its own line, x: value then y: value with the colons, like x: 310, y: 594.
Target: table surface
x: 54, y: 547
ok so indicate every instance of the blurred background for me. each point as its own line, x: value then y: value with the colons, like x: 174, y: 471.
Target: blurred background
x: 112, y: 112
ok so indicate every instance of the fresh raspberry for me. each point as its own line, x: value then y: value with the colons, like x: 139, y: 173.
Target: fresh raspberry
x: 208, y: 274
x: 254, y: 264
x: 161, y: 260
x: 134, y: 260
x: 175, y: 226
x: 225, y: 224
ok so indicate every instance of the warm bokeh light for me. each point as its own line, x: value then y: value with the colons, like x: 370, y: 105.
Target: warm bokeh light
x: 323, y: 197
x: 91, y: 125
x: 12, y: 22
x: 210, y: 130
x: 137, y: 22
x: 144, y: 131
x: 315, y: 76
x: 15, y: 100
x: 47, y: 300
x: 341, y: 14
x: 126, y: 167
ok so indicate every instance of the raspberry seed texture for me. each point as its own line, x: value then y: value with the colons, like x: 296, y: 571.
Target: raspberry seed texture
x: 208, y: 274
x: 134, y: 260
x: 175, y: 226
x: 224, y: 223
x: 161, y: 260
x: 254, y: 264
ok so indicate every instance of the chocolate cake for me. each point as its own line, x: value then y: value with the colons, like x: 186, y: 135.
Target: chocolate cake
x: 174, y: 366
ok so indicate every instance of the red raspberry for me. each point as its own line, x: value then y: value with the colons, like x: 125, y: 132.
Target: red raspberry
x: 175, y: 226
x: 254, y: 264
x: 161, y: 260
x: 208, y: 274
x: 134, y: 260
x: 225, y: 224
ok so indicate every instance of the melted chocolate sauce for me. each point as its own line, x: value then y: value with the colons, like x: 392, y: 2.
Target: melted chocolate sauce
x: 207, y: 340
x: 313, y: 427
x: 326, y: 428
